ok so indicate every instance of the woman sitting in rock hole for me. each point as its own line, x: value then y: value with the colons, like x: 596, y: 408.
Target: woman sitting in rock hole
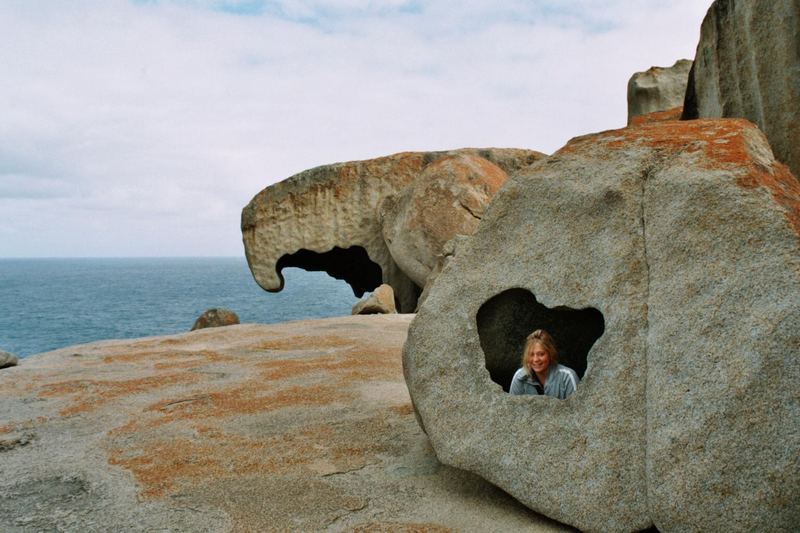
x: 540, y: 372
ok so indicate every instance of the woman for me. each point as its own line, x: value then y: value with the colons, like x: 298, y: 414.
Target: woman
x: 540, y: 372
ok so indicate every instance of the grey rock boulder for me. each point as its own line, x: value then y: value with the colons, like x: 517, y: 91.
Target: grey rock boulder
x: 381, y: 301
x: 658, y: 89
x: 216, y: 317
x: 665, y: 260
x: 747, y: 65
x: 7, y: 359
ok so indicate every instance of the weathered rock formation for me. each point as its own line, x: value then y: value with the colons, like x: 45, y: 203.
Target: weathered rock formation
x: 665, y: 259
x: 381, y: 301
x: 657, y: 89
x: 7, y: 359
x: 449, y: 198
x: 327, y: 219
x: 303, y: 426
x: 216, y: 317
x: 748, y: 65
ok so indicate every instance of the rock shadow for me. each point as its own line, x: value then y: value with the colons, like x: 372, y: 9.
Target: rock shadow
x: 506, y: 319
x: 352, y: 265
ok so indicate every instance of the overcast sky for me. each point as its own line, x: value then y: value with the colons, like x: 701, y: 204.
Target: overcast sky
x: 141, y: 128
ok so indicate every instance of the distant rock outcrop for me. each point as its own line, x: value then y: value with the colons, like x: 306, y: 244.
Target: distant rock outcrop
x: 381, y: 301
x: 748, y: 65
x: 216, y: 317
x: 7, y: 359
x: 665, y: 260
x: 327, y: 219
x: 657, y: 89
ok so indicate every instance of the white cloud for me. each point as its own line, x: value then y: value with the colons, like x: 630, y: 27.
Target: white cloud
x: 144, y: 128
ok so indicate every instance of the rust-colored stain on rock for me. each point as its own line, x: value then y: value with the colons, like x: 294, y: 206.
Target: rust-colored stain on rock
x: 88, y: 395
x: 394, y: 527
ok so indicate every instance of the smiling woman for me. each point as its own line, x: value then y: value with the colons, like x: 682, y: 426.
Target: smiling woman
x: 540, y: 372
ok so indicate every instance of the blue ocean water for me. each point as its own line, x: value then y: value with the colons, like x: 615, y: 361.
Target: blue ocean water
x: 52, y: 303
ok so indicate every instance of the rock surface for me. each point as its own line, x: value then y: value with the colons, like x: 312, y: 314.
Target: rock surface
x: 7, y: 359
x: 665, y: 259
x: 658, y: 89
x: 748, y: 65
x: 326, y: 219
x: 449, y: 198
x: 381, y: 301
x: 303, y: 426
x: 215, y: 318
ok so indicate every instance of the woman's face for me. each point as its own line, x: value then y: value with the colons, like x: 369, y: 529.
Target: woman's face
x: 538, y: 358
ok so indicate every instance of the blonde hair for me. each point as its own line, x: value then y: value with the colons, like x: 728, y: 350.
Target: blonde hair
x: 546, y: 341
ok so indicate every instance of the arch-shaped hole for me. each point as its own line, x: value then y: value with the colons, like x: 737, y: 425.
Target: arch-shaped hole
x: 352, y: 265
x: 505, y: 320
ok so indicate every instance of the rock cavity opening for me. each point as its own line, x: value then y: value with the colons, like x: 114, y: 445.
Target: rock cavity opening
x: 506, y: 319
x: 352, y: 265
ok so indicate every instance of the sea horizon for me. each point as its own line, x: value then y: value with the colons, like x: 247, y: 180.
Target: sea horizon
x: 48, y: 303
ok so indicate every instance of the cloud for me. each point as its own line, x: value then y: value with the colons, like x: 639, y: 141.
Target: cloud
x: 138, y: 127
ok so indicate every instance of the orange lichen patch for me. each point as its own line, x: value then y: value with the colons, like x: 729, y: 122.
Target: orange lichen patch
x: 91, y: 394
x: 403, y: 410
x: 160, y: 357
x: 658, y: 116
x: 375, y: 362
x: 248, y: 399
x: 723, y: 142
x: 394, y: 527
x: 301, y: 343
x: 782, y: 185
x: 8, y: 428
x: 160, y: 464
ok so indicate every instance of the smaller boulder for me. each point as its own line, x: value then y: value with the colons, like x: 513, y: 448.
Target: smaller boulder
x: 7, y: 359
x: 379, y: 302
x: 657, y: 89
x: 216, y: 317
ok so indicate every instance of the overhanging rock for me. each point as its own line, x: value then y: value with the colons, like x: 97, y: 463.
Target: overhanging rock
x: 682, y: 240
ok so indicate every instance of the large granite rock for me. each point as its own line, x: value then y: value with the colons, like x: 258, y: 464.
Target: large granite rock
x: 327, y: 219
x: 665, y: 259
x: 449, y: 198
x: 302, y: 426
x: 658, y: 89
x: 748, y: 65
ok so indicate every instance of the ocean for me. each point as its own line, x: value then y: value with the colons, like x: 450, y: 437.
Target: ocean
x: 51, y: 303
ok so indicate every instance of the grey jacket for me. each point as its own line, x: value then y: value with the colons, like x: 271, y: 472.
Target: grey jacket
x: 560, y: 383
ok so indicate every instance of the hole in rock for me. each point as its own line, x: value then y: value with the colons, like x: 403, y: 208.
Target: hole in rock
x: 505, y: 320
x: 352, y: 265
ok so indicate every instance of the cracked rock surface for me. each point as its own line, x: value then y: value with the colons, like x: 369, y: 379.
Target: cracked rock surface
x: 685, y: 236
x: 302, y: 426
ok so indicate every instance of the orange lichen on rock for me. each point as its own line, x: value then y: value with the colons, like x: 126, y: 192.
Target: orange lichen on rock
x: 782, y: 185
x: 91, y: 394
x: 393, y: 527
x: 658, y: 116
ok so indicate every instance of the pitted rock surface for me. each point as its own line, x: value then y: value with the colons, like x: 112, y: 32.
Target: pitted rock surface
x: 747, y: 65
x: 658, y: 89
x: 326, y: 218
x: 685, y: 237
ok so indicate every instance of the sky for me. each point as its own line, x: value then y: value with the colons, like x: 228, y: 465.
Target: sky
x: 143, y: 127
